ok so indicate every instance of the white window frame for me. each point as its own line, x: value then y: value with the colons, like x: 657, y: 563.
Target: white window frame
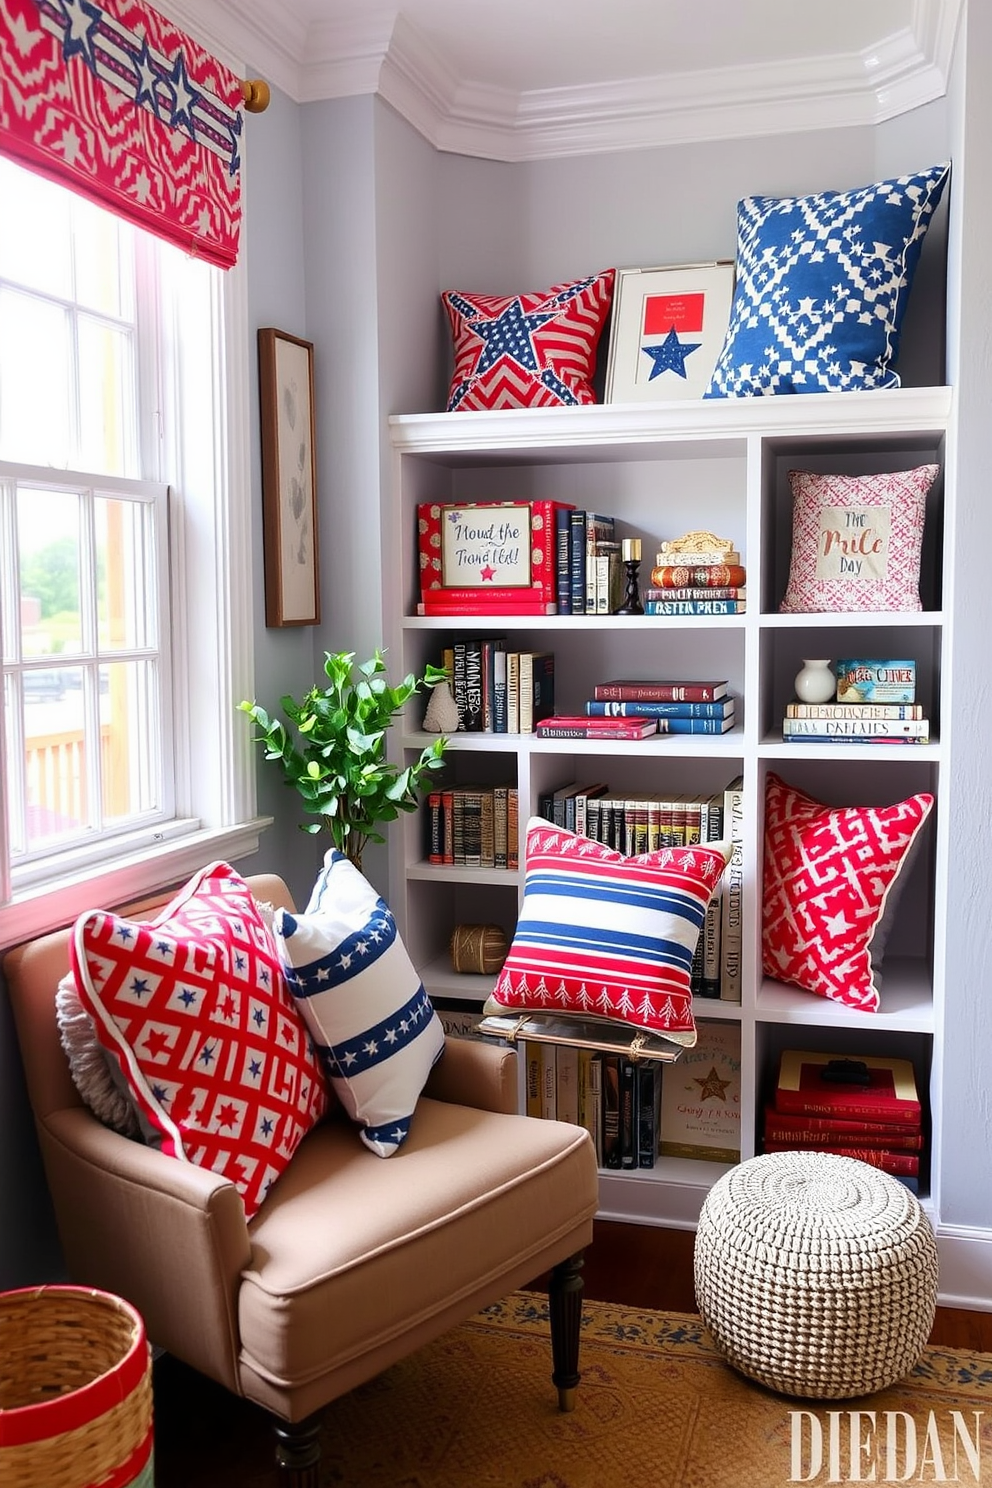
x: 213, y: 661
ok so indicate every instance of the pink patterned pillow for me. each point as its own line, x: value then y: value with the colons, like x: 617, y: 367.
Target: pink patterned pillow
x: 856, y: 540
x: 601, y: 935
x: 529, y: 350
x: 193, y: 1007
x: 828, y: 873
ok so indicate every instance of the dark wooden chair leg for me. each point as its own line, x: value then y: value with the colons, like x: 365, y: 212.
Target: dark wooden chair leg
x: 298, y: 1452
x: 565, y: 1310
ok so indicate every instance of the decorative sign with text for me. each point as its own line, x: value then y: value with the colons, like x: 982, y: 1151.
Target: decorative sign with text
x: 487, y: 557
x: 854, y: 542
x: 483, y: 545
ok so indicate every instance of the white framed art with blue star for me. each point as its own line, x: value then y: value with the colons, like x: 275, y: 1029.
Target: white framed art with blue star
x: 668, y: 329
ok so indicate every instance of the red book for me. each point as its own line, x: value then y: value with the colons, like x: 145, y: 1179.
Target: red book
x: 708, y: 576
x: 826, y: 1131
x: 593, y: 728
x: 900, y: 1164
x: 820, y: 1084
x: 503, y: 539
x: 659, y: 692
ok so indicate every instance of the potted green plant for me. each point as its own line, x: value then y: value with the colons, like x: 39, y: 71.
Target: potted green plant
x: 334, y: 752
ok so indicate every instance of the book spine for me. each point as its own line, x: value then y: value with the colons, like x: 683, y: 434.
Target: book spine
x: 563, y: 559
x: 472, y: 828
x: 659, y: 692
x: 713, y: 918
x: 628, y: 1113
x: 728, y: 591
x: 577, y: 571
x: 854, y: 710
x: 901, y: 740
x: 473, y: 686
x: 458, y: 831
x: 435, y: 849
x: 696, y: 607
x: 731, y: 928
x: 841, y: 1134
x: 500, y: 720
x: 697, y: 725
x: 488, y: 679
x: 513, y: 692
x: 544, y: 686
x: 611, y: 1111
x: 458, y: 683
x: 578, y: 731
x: 590, y: 1098
x: 567, y: 1083
x: 699, y: 559
x: 700, y: 576
x: 856, y: 728
x: 549, y: 1082
x: 487, y: 832
x: 525, y: 606
x: 897, y: 1163
x: 532, y: 1066
x: 512, y: 828
x: 722, y: 709
x: 647, y: 1112
x: 526, y: 691
x: 500, y: 804
x: 448, y: 823
x: 858, y: 1106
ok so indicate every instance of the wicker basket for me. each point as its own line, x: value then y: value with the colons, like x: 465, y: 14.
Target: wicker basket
x: 75, y: 1391
x: 816, y: 1274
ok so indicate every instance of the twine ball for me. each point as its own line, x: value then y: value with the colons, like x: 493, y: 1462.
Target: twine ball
x: 816, y: 1275
x: 478, y: 948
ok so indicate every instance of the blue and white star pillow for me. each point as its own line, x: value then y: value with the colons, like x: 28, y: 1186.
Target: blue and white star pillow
x: 822, y: 285
x: 362, y: 1001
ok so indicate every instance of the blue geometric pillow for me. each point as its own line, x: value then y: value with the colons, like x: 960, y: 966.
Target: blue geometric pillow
x: 362, y: 1001
x: 822, y: 285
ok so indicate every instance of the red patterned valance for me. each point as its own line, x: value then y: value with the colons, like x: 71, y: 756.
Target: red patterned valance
x: 115, y: 102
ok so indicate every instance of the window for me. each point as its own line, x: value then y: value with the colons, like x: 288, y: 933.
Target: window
x: 119, y: 427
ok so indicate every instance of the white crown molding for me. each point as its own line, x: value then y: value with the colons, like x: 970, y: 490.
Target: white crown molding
x: 386, y: 55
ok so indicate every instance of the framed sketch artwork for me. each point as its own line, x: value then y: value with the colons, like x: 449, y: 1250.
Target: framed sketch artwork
x: 289, y: 492
x: 668, y: 329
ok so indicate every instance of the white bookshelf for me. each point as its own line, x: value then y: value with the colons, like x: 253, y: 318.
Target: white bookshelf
x: 661, y: 470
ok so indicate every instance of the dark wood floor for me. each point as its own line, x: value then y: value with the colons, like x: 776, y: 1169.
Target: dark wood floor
x: 205, y: 1438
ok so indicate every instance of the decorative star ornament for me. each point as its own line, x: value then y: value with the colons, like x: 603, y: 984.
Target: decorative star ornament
x: 711, y: 1087
x: 670, y: 355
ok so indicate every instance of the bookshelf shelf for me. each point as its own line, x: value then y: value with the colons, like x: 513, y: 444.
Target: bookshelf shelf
x: 660, y: 470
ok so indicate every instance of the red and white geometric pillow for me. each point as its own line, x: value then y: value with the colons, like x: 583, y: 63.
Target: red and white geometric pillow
x: 604, y: 936
x: 828, y: 873
x: 530, y: 350
x: 856, y: 540
x: 194, y: 1009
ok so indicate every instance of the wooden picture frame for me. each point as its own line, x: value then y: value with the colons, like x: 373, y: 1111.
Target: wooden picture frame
x: 289, y: 486
x: 669, y: 326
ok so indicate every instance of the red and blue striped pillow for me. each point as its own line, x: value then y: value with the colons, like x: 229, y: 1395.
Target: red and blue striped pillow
x: 601, y: 935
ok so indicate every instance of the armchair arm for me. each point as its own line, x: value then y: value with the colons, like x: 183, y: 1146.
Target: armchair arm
x: 471, y: 1073
x: 168, y: 1236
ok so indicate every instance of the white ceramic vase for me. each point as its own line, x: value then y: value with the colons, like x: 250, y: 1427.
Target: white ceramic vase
x: 815, y: 682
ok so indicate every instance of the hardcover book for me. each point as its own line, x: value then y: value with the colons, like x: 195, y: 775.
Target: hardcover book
x: 596, y: 728
x: 723, y: 708
x: 857, y: 728
x: 852, y: 1086
x: 876, y: 680
x: 854, y: 710
x: 732, y: 921
x: 724, y: 591
x: 707, y: 575
x: 837, y: 1131
x: 695, y: 607
x: 700, y: 1113
x: 660, y: 692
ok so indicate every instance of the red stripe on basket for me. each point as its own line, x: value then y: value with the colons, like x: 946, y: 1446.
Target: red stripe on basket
x: 129, y: 1471
x: 32, y: 1423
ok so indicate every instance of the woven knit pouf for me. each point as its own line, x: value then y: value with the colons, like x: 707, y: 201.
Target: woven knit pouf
x: 816, y: 1275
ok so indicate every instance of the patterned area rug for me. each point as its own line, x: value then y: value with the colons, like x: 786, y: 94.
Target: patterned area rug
x: 657, y: 1408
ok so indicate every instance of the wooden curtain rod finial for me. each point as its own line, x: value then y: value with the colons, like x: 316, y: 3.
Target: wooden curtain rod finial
x: 256, y: 94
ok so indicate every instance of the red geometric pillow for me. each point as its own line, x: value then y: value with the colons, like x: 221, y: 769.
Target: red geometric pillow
x: 828, y: 872
x: 529, y: 350
x: 193, y: 1007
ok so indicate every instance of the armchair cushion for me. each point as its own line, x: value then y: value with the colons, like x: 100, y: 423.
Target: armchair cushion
x: 194, y: 1008
x: 362, y: 1000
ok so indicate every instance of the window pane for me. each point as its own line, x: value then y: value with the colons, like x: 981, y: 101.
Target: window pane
x: 48, y: 524
x: 35, y: 381
x: 130, y: 732
x: 54, y: 758
x: 103, y: 280
x: 106, y: 399
x: 35, y: 241
x: 127, y: 582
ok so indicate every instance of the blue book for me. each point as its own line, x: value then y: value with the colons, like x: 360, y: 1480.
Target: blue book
x: 577, y: 562
x: 722, y: 709
x: 563, y: 559
x: 695, y: 725
x: 695, y: 607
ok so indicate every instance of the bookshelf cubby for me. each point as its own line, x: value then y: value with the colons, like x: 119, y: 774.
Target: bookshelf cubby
x: 720, y: 465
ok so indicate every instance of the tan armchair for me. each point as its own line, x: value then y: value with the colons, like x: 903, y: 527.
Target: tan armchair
x: 352, y: 1262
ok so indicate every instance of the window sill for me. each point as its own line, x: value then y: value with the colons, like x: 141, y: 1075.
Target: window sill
x: 147, y: 870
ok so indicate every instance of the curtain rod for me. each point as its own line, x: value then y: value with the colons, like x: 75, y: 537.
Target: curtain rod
x: 256, y: 94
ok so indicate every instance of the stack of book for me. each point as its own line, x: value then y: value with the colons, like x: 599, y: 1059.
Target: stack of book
x: 496, y: 690
x: 473, y: 826
x: 698, y: 574
x: 875, y: 704
x: 857, y: 1106
x: 678, y: 707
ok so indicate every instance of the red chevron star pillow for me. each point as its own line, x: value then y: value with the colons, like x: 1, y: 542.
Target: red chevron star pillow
x: 529, y: 350
x: 828, y: 873
x: 193, y: 1008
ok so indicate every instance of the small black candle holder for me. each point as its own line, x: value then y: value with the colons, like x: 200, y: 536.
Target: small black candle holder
x: 631, y: 595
